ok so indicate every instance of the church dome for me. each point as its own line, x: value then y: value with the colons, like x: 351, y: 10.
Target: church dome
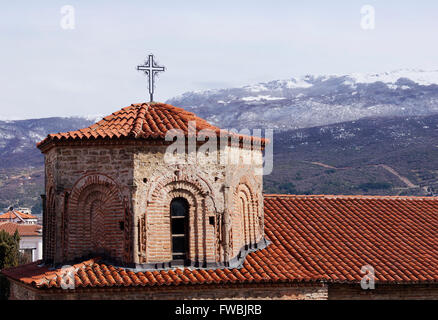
x: 139, y: 121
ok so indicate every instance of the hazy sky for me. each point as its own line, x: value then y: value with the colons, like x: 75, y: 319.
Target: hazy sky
x: 49, y: 71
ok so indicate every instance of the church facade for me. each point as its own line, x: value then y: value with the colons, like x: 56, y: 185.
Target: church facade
x: 129, y: 224
x: 99, y: 190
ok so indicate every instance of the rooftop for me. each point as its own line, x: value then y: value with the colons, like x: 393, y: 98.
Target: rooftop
x: 139, y: 121
x: 23, y: 229
x: 16, y: 214
x: 312, y: 239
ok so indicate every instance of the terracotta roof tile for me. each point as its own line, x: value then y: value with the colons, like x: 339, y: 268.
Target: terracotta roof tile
x: 313, y: 238
x: 140, y: 121
x: 23, y: 229
x: 16, y: 214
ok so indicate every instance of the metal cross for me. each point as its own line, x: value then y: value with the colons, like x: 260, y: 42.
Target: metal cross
x: 151, y: 69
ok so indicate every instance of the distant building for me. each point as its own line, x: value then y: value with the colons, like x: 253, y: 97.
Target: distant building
x: 31, y: 238
x: 24, y: 210
x: 18, y: 217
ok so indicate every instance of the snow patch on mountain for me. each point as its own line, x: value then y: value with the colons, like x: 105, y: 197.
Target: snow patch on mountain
x: 315, y: 100
x: 261, y: 97
x: 421, y: 77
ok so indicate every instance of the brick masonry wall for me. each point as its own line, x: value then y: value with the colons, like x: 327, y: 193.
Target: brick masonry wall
x: 116, y: 199
x: 385, y: 292
x: 201, y: 182
x: 157, y: 183
x: 246, y: 198
x: 20, y: 292
x: 292, y: 292
x: 281, y: 292
x: 81, y: 180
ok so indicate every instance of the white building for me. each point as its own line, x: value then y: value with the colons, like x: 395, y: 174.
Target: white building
x: 31, y: 240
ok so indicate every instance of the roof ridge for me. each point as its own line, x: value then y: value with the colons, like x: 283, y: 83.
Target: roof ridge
x: 334, y: 196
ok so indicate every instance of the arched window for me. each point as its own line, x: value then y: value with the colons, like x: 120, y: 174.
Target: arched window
x: 179, y: 216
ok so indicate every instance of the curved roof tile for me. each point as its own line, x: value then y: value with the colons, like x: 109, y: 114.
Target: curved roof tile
x: 313, y: 238
x: 141, y: 121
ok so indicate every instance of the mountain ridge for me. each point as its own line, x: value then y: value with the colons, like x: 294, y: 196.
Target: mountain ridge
x: 385, y: 130
x: 316, y: 100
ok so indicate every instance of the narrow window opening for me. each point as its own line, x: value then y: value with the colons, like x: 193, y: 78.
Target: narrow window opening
x: 179, y: 215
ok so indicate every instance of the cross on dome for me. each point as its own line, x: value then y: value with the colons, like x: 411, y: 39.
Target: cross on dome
x: 151, y: 68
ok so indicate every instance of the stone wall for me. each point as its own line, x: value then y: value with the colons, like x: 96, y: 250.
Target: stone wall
x: 88, y: 202
x: 157, y: 183
x: 204, y: 182
x: 246, y: 206
x: 383, y: 292
x: 267, y: 292
x: 114, y: 200
x: 272, y: 292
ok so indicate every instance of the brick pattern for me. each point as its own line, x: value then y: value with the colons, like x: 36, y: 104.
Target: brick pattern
x: 49, y: 228
x: 384, y: 292
x: 64, y: 225
x: 127, y: 167
x: 50, y: 208
x: 266, y: 292
x: 128, y: 234
x: 66, y: 167
x: 202, y: 235
x: 95, y: 215
x: 247, y: 226
x: 244, y: 218
x: 145, y: 184
x: 238, y: 292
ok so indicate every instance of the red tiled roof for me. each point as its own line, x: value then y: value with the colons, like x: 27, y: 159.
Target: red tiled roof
x: 313, y: 238
x: 139, y: 121
x: 14, y: 214
x: 23, y: 229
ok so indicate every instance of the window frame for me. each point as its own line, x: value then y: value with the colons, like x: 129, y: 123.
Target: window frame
x: 180, y: 257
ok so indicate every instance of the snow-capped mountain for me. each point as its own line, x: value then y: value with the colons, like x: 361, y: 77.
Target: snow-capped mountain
x: 316, y: 100
x: 323, y: 149
x: 18, y: 138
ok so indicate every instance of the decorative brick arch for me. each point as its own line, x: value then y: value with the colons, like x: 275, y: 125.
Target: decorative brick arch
x: 156, y: 220
x: 97, y: 216
x: 157, y: 182
x: 245, y: 215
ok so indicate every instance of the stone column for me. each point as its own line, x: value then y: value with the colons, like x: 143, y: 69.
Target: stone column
x: 226, y: 225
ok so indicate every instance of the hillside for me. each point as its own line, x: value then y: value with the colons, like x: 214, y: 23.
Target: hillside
x: 21, y: 166
x: 18, y: 138
x: 338, y: 134
x: 381, y: 156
